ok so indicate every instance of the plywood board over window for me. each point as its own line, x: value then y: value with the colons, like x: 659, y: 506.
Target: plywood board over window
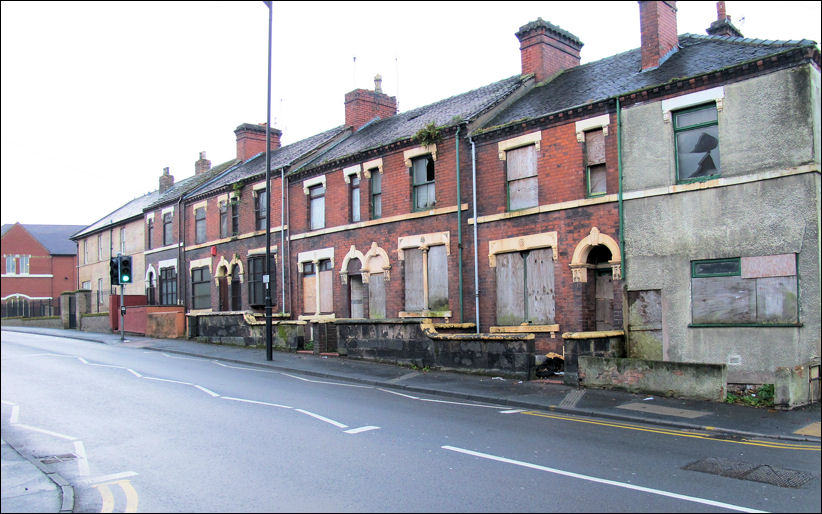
x: 525, y: 287
x: 521, y: 167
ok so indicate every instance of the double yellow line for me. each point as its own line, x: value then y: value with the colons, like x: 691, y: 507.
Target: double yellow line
x: 108, y: 497
x: 677, y: 433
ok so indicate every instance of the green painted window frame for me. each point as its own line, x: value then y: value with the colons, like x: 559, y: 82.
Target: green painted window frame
x: 376, y: 194
x: 688, y: 128
x: 696, y: 274
x: 589, y: 193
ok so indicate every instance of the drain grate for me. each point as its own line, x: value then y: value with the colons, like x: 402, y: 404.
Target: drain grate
x: 54, y: 459
x: 764, y: 473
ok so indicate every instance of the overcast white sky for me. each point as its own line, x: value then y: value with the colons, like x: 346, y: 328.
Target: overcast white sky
x: 99, y: 97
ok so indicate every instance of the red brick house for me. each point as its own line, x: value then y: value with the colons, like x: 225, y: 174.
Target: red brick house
x: 39, y: 264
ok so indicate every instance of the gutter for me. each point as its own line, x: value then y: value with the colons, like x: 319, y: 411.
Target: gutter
x: 474, y: 203
x: 459, y: 219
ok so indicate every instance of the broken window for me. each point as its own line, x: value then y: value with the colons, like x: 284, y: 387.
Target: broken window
x: 521, y: 168
x: 595, y: 170
x: 696, y: 131
x: 746, y: 290
x: 424, y: 193
x: 525, y: 287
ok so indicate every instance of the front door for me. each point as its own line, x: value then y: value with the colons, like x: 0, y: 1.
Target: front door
x: 356, y: 285
x: 604, y: 299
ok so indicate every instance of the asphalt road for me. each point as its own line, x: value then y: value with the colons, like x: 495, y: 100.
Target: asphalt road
x: 143, y: 431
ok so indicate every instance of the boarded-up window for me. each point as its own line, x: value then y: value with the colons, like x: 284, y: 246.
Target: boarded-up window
x: 326, y: 287
x: 747, y: 290
x: 521, y: 166
x: 436, y: 261
x: 309, y: 288
x: 376, y: 296
x: 595, y: 162
x: 525, y: 287
x: 414, y: 300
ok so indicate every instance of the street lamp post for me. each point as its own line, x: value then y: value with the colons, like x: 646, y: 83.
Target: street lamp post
x: 268, y: 330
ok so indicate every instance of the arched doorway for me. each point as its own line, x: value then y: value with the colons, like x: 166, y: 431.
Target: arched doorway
x: 603, y: 283
x: 597, y: 263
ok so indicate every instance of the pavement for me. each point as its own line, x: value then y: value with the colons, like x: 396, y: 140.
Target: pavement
x: 30, y: 486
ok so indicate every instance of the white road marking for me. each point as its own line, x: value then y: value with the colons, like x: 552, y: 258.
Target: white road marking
x: 361, y: 429
x: 107, y: 478
x: 325, y: 382
x: 512, y: 411
x: 15, y: 412
x: 82, y: 461
x: 168, y: 380
x: 323, y: 418
x: 134, y: 373
x: 255, y: 401
x: 602, y: 480
x: 397, y: 393
x: 47, y: 432
x: 207, y: 391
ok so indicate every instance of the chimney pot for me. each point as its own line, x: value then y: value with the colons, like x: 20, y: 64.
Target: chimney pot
x: 378, y: 83
x: 722, y: 26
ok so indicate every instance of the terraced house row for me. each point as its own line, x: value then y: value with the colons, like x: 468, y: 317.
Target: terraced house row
x: 659, y: 205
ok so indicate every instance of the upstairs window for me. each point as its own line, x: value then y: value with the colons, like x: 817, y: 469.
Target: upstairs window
x: 123, y: 240
x: 150, y: 231
x: 24, y: 264
x: 521, y: 169
x: 423, y: 185
x: 99, y: 247
x: 316, y: 206
x: 235, y: 216
x: 167, y: 229
x: 355, y: 198
x: 85, y: 251
x: 376, y: 195
x: 223, y: 219
x: 260, y: 209
x: 200, y: 225
x: 11, y: 265
x: 696, y: 132
x: 595, y: 171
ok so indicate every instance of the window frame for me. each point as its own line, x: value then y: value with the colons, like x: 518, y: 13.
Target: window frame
x: 167, y: 282
x: 598, y: 164
x: 375, y: 195
x: 223, y: 208
x: 260, y: 212
x: 235, y: 216
x: 168, y: 228
x: 203, y: 282
x: 680, y: 130
x: 150, y: 232
x: 417, y: 187
x: 315, y: 200
x: 509, y: 181
x: 200, y: 235
x: 354, y: 198
x: 255, y: 280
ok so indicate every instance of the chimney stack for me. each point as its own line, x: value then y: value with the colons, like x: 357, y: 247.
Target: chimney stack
x: 202, y: 165
x: 166, y: 181
x: 362, y: 105
x: 546, y: 49
x: 657, y: 24
x: 251, y: 140
x: 722, y: 26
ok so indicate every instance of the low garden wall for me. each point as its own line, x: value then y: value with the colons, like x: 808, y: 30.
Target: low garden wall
x: 244, y: 329
x: 677, y: 379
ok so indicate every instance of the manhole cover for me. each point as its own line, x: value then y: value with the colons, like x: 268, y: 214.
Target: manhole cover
x: 54, y: 459
x: 764, y: 473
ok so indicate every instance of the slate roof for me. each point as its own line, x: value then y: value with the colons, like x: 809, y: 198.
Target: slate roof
x: 445, y: 113
x: 55, y: 238
x: 130, y: 210
x: 184, y: 186
x: 621, y: 73
x: 281, y: 157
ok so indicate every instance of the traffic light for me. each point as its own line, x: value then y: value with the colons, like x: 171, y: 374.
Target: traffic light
x: 114, y: 270
x: 125, y: 269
